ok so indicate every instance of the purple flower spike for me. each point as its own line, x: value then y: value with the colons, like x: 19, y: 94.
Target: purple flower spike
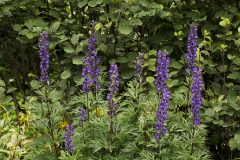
x: 138, y: 67
x: 196, y: 90
x: 82, y: 115
x: 90, y: 71
x: 160, y: 82
x: 69, y: 132
x: 114, y: 83
x: 192, y: 47
x: 44, y: 56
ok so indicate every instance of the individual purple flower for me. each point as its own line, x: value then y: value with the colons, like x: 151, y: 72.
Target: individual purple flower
x: 160, y: 82
x: 138, y: 67
x: 90, y: 71
x: 114, y: 83
x: 82, y: 115
x: 69, y: 132
x: 196, y: 90
x: 192, y: 47
x: 44, y: 56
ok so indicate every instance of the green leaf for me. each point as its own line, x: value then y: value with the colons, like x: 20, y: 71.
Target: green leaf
x: 56, y: 95
x: 171, y: 82
x: 209, y: 112
x: 209, y: 69
x: 231, y: 56
x: 217, y: 88
x: 93, y: 3
x: 169, y: 49
x: 68, y: 49
x: 126, y: 74
x: 97, y: 27
x: 122, y: 60
x: 65, y: 74
x: 233, y: 144
x: 2, y: 83
x: 223, y: 23
x: 35, y: 84
x: 29, y: 35
x: 55, y: 26
x: 77, y: 60
x: 82, y: 3
x: 152, y: 52
x: 178, y: 26
x: 150, y: 79
x: 217, y: 108
x: 10, y: 89
x: 237, y: 61
x: 144, y: 3
x: 125, y: 29
x: 17, y: 27
x: 74, y: 39
x: 175, y: 64
x: 102, y: 47
x: 234, y: 75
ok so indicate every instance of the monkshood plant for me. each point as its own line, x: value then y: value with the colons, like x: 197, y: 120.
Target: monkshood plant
x: 104, y: 123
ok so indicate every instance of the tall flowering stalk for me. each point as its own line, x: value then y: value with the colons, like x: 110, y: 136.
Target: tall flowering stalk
x: 114, y: 83
x: 138, y: 64
x: 196, y: 90
x: 192, y: 47
x: 44, y: 56
x: 196, y: 87
x: 138, y: 67
x: 82, y: 114
x: 162, y: 88
x: 90, y: 71
x: 112, y: 105
x: 69, y: 132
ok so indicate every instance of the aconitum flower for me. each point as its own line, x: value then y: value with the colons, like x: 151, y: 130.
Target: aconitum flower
x: 69, y: 132
x: 44, y: 56
x: 196, y: 90
x: 138, y: 67
x: 162, y: 70
x: 114, y: 83
x: 90, y: 71
x: 160, y: 82
x: 82, y: 115
x: 192, y: 47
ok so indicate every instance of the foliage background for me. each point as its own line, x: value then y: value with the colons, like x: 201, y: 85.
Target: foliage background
x: 127, y: 27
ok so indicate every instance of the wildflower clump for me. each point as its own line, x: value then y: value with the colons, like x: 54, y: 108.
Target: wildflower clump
x: 69, y: 132
x: 82, y: 115
x: 138, y: 67
x: 162, y: 88
x: 44, y: 56
x: 114, y: 83
x: 90, y: 71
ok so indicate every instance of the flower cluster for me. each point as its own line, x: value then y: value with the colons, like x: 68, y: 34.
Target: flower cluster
x: 44, y: 56
x: 162, y: 70
x: 192, y: 47
x: 138, y: 67
x: 82, y: 115
x: 90, y: 71
x: 196, y: 100
x: 160, y: 82
x: 114, y: 83
x: 69, y: 132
